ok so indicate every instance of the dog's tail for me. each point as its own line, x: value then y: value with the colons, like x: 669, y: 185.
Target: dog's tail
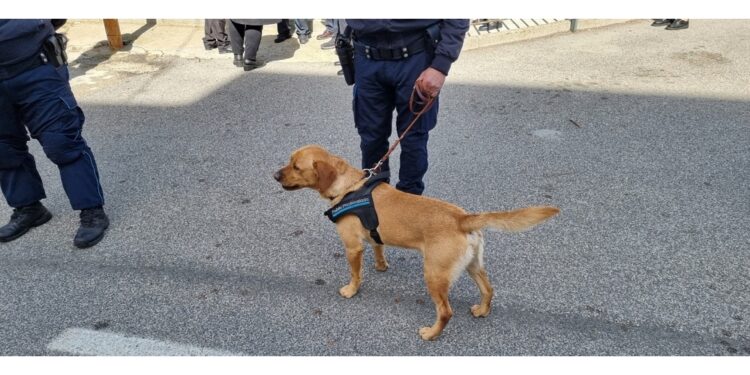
x: 511, y: 221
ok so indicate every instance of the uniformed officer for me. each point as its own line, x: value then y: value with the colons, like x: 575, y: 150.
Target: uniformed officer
x: 390, y: 58
x: 35, y: 95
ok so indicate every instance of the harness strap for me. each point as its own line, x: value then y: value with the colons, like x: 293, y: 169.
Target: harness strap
x: 376, y: 236
x: 359, y: 202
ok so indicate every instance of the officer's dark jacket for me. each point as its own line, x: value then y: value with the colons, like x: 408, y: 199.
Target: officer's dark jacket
x: 391, y: 33
x: 21, y: 39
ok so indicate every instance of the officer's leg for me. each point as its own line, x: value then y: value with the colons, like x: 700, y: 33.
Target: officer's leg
x: 19, y: 179
x: 414, y: 146
x: 49, y: 110
x: 413, y: 162
x: 373, y: 105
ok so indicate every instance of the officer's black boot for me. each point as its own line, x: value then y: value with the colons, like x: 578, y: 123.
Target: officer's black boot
x: 23, y: 219
x: 94, y: 222
x: 238, y: 60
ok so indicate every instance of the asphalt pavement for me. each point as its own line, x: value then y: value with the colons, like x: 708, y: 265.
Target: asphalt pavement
x: 640, y: 135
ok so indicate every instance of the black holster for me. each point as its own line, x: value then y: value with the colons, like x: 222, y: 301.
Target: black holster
x: 345, y: 52
x: 53, y: 50
x: 432, y: 38
x: 432, y: 34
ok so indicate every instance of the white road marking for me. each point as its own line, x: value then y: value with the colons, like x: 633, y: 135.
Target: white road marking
x: 549, y: 134
x: 88, y: 342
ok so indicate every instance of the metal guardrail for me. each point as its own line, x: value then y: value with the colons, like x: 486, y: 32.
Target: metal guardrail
x: 494, y: 25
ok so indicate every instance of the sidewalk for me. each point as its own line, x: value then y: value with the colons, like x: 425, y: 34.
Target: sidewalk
x: 147, y: 41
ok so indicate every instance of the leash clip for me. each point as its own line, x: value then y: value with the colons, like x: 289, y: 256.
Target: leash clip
x: 374, y: 170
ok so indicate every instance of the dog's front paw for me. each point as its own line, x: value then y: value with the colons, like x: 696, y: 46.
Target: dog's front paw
x: 480, y: 311
x: 381, y: 267
x: 428, y: 333
x: 348, y: 291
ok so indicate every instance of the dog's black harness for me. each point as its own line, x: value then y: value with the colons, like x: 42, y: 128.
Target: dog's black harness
x: 359, y: 202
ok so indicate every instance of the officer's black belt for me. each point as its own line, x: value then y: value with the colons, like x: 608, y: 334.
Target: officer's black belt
x: 360, y: 203
x: 399, y: 53
x: 10, y: 71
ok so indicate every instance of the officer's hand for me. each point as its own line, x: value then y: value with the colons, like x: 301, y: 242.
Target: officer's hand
x: 430, y: 82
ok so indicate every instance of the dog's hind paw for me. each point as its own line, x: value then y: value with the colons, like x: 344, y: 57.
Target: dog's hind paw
x: 480, y: 311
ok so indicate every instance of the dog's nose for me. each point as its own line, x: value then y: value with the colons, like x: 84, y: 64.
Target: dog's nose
x: 277, y: 176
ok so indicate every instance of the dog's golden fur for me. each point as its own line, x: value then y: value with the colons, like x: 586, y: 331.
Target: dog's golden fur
x: 450, y: 239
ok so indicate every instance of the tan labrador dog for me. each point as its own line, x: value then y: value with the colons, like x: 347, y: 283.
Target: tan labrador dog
x: 450, y: 239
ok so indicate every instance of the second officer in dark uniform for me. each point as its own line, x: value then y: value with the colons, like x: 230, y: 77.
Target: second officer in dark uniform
x: 390, y: 58
x: 35, y: 95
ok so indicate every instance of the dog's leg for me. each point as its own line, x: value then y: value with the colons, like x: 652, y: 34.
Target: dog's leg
x: 380, y: 263
x: 479, y: 275
x: 477, y: 272
x: 347, y: 227
x: 438, y: 287
x: 438, y: 278
x: 354, y: 250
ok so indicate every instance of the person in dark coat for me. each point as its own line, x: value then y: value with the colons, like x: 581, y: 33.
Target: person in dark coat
x: 244, y: 35
x: 35, y: 96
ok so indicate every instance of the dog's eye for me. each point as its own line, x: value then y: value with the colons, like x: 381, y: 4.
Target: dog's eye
x: 295, y: 168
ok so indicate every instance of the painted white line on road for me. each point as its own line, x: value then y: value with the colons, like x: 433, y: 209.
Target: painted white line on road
x: 88, y: 342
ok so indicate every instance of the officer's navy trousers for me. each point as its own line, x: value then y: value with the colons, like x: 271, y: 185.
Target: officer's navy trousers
x: 41, y: 101
x: 382, y: 86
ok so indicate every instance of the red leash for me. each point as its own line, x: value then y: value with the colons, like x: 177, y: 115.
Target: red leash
x: 426, y: 103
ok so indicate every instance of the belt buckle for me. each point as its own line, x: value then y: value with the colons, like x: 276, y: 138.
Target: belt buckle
x: 367, y: 52
x: 405, y: 52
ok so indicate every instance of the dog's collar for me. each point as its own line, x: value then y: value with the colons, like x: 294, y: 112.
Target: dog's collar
x: 367, y: 180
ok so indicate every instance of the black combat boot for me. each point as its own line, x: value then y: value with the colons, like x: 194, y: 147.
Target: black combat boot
x: 94, y: 222
x: 23, y: 219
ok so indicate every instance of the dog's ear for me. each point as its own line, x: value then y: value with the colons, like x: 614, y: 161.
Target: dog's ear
x: 326, y: 175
